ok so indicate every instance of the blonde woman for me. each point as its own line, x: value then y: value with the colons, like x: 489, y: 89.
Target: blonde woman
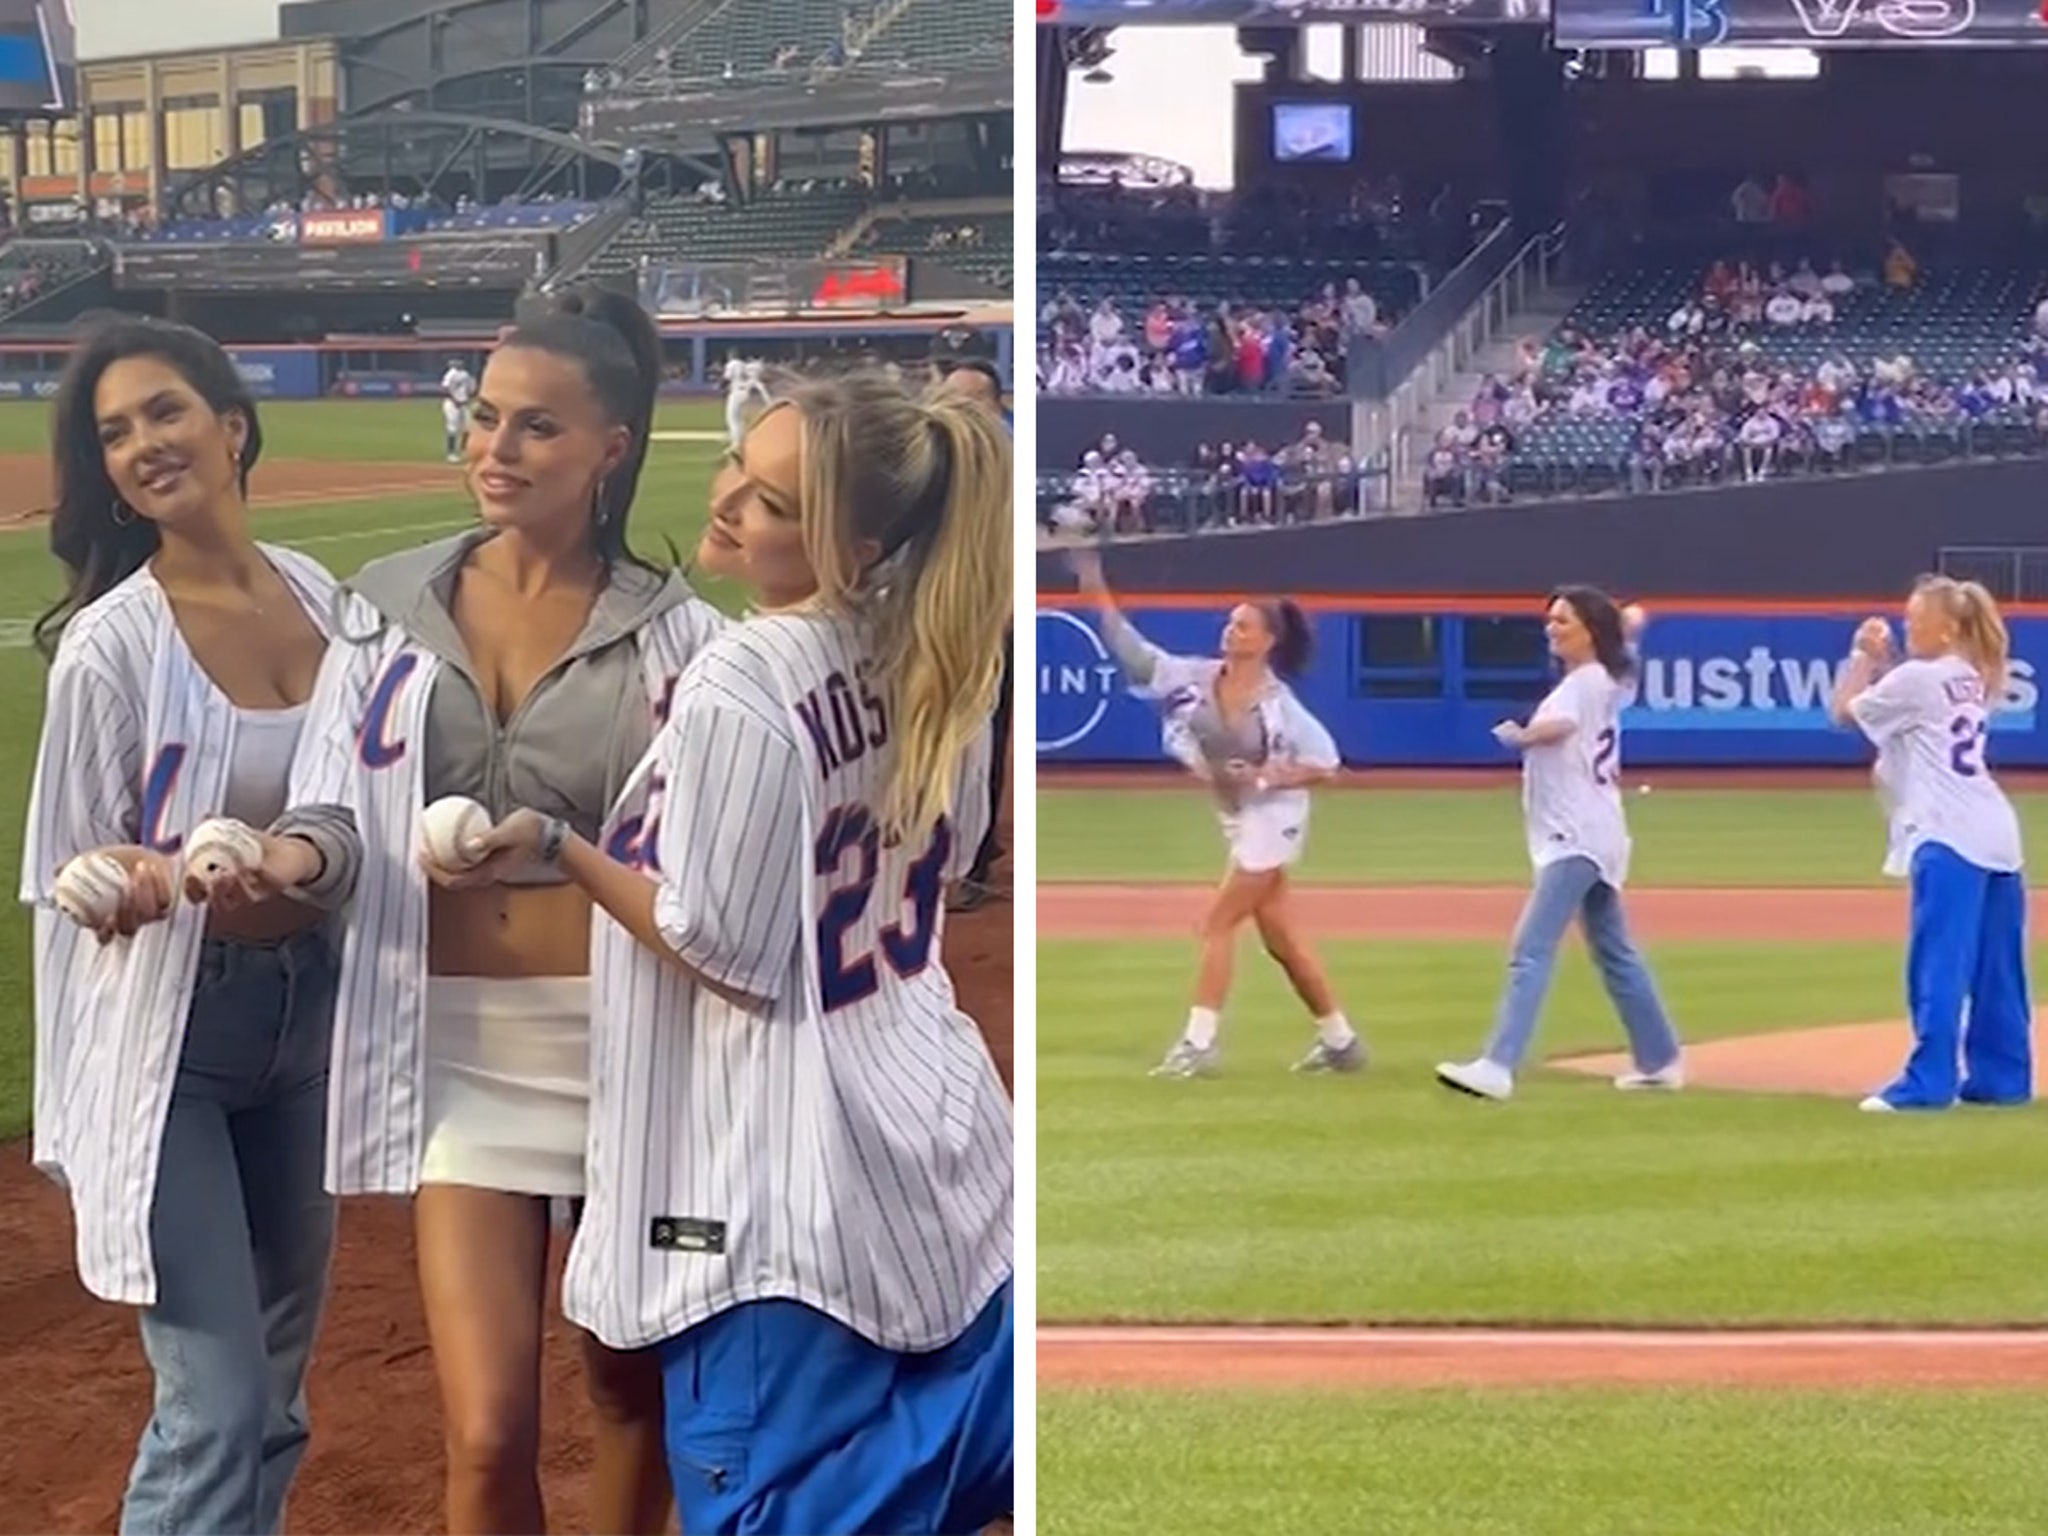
x: 1955, y: 838
x: 801, y: 1154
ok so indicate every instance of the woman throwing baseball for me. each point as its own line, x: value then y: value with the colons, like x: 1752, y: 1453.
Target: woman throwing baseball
x: 526, y: 662
x: 181, y: 1060
x: 801, y: 1155
x: 1235, y: 724
x: 1579, y: 845
x: 1954, y: 836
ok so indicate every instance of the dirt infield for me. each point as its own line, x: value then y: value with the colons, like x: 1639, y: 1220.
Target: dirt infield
x: 1847, y: 1060
x: 26, y: 489
x: 77, y: 1392
x: 1192, y: 1359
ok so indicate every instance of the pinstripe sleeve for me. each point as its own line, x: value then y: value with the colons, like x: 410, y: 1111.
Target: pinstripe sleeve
x: 322, y: 809
x: 87, y: 787
x: 731, y: 842
x: 970, y: 813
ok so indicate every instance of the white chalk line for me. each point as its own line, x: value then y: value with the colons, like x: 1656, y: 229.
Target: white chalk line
x: 1166, y: 1337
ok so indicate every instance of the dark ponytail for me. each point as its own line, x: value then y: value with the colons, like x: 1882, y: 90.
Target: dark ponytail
x: 1294, y: 640
x: 616, y: 343
x: 1602, y: 617
x: 100, y: 542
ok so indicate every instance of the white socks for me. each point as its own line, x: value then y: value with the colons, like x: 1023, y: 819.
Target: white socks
x: 1201, y: 1030
x: 1336, y: 1031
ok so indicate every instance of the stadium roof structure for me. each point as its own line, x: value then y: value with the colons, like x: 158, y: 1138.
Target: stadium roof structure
x: 433, y: 144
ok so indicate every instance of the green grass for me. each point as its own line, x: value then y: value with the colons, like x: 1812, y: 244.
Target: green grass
x: 1806, y: 837
x: 671, y: 505
x: 1578, y: 1463
x: 1262, y: 1195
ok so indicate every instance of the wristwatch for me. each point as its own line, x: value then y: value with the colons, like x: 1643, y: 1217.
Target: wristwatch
x: 554, y: 833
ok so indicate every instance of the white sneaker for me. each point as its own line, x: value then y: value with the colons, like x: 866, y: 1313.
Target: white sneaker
x: 1878, y: 1104
x: 1667, y: 1079
x: 1482, y: 1079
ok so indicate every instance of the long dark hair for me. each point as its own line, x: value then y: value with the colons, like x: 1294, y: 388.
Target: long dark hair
x: 615, y: 342
x: 1294, y: 639
x: 100, y: 542
x: 1602, y: 617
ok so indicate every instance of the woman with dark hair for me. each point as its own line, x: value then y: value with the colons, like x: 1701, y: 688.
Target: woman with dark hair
x: 1579, y: 846
x: 1232, y: 721
x: 524, y: 663
x: 181, y: 1060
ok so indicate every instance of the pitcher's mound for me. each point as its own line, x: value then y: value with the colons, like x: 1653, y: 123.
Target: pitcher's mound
x: 1841, y: 1061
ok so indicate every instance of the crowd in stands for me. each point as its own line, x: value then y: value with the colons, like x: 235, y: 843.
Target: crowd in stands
x: 1221, y: 485
x: 1264, y: 292
x: 1757, y: 373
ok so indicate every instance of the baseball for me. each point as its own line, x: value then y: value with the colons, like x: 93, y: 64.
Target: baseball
x: 220, y: 847
x: 451, y: 830
x: 89, y: 889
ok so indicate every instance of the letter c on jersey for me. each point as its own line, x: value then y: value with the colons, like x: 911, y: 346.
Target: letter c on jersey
x: 376, y: 750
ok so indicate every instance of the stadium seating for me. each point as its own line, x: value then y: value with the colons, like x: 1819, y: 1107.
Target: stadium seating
x: 788, y: 224
x: 991, y: 255
x: 941, y: 29
x: 1134, y: 281
x: 1952, y: 323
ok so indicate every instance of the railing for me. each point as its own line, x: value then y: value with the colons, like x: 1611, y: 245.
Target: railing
x: 1184, y: 501
x: 1467, y: 313
x: 2014, y: 574
x: 641, y: 54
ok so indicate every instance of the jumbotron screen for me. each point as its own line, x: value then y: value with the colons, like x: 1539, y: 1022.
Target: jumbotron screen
x: 1800, y: 23
x: 38, y: 54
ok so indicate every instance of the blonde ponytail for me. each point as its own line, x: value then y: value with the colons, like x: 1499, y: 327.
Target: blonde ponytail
x: 1981, y: 628
x: 928, y: 486
x: 943, y: 641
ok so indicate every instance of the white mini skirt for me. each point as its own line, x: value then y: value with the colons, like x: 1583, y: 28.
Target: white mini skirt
x: 507, y: 1083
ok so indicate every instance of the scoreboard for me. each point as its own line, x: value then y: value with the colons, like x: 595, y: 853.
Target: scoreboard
x: 37, y: 56
x: 1799, y: 23
x: 1271, y: 13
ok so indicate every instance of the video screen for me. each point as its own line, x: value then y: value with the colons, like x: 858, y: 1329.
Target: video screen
x: 1312, y: 131
x: 38, y: 53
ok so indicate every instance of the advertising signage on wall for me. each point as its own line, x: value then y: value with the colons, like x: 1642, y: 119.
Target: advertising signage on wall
x: 1799, y: 23
x: 1420, y: 689
x: 343, y: 226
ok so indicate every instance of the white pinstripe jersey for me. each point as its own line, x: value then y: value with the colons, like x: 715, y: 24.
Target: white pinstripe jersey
x: 363, y: 749
x: 849, y: 1147
x: 136, y: 747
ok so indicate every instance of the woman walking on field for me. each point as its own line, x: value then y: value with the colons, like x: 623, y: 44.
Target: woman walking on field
x: 1579, y: 845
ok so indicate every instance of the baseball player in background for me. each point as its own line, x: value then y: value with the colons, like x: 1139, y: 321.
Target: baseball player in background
x: 1579, y: 846
x: 526, y: 662
x: 1242, y: 731
x: 1955, y: 837
x: 801, y: 1155
x: 746, y: 391
x: 458, y: 389
x: 181, y: 1062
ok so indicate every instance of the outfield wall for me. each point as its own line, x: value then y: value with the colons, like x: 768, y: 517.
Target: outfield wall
x: 405, y: 368
x: 1422, y: 682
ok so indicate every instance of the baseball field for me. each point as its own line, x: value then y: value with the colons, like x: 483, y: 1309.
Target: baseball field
x: 1365, y: 1303
x: 344, y: 481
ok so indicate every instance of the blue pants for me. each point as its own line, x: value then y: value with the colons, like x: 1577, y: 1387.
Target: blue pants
x: 242, y: 1229
x: 781, y: 1421
x: 1566, y: 889
x: 1968, y: 947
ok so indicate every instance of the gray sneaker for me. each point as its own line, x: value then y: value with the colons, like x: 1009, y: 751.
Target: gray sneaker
x: 1187, y: 1059
x: 1324, y: 1057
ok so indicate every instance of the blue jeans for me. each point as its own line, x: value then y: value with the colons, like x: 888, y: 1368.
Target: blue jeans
x: 242, y: 1228
x: 1564, y: 890
x: 1968, y: 951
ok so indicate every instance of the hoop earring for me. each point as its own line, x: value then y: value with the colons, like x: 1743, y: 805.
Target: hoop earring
x: 123, y: 514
